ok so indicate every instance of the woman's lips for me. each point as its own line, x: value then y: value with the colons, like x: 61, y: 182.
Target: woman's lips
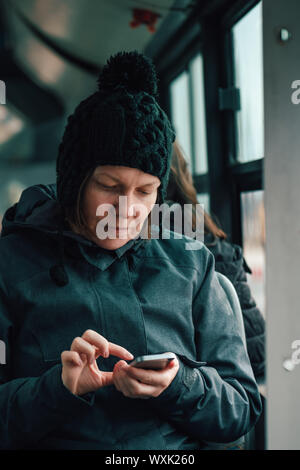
x: 118, y: 229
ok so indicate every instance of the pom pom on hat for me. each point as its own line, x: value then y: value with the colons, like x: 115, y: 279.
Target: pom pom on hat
x: 131, y: 70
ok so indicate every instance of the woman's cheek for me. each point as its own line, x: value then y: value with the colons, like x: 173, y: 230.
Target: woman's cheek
x: 99, y: 200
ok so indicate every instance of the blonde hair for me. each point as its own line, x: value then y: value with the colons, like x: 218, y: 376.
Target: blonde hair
x: 182, y: 190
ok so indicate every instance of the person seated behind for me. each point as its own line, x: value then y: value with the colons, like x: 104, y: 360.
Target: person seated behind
x: 229, y: 260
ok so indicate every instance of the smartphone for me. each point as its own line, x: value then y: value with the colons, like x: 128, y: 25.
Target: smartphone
x: 153, y: 361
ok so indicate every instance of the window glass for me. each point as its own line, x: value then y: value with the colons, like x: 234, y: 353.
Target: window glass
x: 199, y: 124
x: 181, y: 112
x: 253, y: 226
x: 248, y: 63
x: 203, y: 198
x: 188, y: 102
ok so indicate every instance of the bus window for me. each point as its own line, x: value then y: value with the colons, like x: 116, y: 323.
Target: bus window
x: 181, y: 112
x: 253, y: 227
x: 248, y: 65
x: 188, y: 114
x: 203, y: 198
x: 199, y: 126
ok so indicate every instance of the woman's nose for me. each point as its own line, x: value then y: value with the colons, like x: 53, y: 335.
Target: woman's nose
x: 126, y: 204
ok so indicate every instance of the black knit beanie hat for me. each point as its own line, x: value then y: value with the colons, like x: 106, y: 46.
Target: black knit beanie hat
x: 120, y: 124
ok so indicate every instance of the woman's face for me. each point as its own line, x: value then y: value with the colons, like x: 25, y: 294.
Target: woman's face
x: 112, y: 221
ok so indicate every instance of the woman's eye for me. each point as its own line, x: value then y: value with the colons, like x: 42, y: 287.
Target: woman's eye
x: 114, y: 188
x: 144, y: 192
x: 106, y: 187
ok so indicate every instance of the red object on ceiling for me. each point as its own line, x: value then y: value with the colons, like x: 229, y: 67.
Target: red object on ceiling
x: 146, y: 17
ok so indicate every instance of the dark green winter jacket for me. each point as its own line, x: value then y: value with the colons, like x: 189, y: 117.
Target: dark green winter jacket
x: 147, y: 296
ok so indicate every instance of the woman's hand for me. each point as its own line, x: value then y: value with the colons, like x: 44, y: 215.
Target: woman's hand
x: 143, y: 383
x: 80, y: 373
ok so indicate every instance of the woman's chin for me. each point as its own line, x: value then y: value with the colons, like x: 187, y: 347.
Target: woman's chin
x: 112, y: 243
x: 114, y: 239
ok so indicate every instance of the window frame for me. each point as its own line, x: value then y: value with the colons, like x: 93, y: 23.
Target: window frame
x: 246, y: 176
x: 226, y: 178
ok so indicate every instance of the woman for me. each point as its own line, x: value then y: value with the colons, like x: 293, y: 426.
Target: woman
x: 228, y: 260
x: 71, y: 325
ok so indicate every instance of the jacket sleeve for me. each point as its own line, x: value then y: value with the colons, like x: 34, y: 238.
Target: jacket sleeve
x: 218, y: 401
x: 253, y: 320
x: 30, y: 407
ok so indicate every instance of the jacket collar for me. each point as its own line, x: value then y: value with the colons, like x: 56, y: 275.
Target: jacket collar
x: 102, y: 258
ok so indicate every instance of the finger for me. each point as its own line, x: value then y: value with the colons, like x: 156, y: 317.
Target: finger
x: 153, y: 377
x: 107, y: 378
x: 105, y: 348
x: 118, y: 374
x: 119, y: 351
x: 144, y: 391
x: 131, y: 388
x: 71, y: 358
x: 120, y: 367
x: 146, y: 376
x: 83, y: 358
x: 98, y: 341
x: 121, y: 381
x: 83, y: 347
x: 173, y: 363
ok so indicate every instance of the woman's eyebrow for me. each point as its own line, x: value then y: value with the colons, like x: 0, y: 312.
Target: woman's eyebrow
x: 109, y: 176
x: 119, y: 181
x: 149, y: 184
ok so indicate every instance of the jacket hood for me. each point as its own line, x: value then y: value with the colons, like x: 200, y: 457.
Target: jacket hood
x: 38, y: 209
